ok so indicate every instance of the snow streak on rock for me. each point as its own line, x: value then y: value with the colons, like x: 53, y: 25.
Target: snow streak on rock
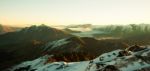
x: 56, y: 44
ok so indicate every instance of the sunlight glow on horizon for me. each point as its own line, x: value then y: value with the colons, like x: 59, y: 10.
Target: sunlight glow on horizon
x: 67, y: 12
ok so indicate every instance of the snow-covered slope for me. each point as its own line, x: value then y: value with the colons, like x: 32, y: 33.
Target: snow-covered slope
x: 41, y: 64
x: 118, y: 60
x: 131, y: 62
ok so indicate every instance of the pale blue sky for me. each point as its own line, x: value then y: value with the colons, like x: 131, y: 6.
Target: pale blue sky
x: 66, y: 12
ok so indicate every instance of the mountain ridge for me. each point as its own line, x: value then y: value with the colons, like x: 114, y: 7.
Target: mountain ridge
x: 110, y: 61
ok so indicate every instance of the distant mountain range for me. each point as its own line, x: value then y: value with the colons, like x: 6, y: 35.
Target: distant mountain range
x: 6, y: 29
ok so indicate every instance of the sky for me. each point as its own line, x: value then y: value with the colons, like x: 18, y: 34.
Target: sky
x: 67, y: 12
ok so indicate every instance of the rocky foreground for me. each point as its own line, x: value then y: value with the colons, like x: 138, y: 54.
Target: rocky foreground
x: 134, y: 58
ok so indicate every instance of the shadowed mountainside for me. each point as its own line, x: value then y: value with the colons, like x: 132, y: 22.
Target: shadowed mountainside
x: 23, y: 45
x: 80, y: 48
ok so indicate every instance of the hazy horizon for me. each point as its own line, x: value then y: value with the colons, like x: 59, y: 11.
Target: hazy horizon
x: 67, y: 12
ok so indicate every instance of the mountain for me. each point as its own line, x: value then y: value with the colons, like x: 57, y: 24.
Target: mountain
x: 25, y: 44
x: 79, y: 48
x: 35, y: 41
x: 134, y: 58
x: 6, y: 29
